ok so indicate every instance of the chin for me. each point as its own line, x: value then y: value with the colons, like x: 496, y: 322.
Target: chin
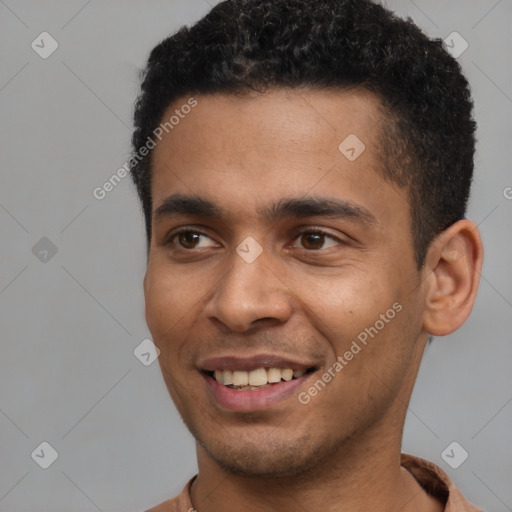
x: 251, y: 462
x: 267, y: 458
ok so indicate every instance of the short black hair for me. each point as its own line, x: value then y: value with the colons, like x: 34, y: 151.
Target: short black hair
x: 243, y: 46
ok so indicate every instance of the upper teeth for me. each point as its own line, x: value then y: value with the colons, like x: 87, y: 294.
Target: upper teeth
x: 258, y: 377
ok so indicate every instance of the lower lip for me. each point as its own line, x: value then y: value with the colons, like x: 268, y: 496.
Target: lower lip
x: 252, y: 400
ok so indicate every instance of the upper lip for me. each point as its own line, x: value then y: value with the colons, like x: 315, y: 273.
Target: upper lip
x: 251, y: 363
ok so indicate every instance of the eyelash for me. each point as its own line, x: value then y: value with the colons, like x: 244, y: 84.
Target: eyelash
x: 297, y: 235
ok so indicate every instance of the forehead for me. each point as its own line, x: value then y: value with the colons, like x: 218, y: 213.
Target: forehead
x: 241, y: 151
x: 280, y: 119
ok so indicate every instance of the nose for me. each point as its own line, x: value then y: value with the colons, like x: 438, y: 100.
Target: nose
x: 250, y: 295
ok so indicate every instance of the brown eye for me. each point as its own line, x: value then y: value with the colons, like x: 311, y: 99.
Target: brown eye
x: 188, y: 239
x: 316, y: 240
x: 312, y: 240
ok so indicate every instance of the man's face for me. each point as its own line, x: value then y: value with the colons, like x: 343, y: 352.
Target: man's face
x: 320, y: 281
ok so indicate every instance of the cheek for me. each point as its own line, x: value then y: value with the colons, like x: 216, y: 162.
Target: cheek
x: 367, y: 321
x: 170, y: 295
x: 166, y: 315
x: 167, y: 304
x: 344, y: 304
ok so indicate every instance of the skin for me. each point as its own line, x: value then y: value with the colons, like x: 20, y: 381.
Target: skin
x: 303, y: 298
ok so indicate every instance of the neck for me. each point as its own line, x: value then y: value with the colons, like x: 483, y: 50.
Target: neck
x: 348, y: 481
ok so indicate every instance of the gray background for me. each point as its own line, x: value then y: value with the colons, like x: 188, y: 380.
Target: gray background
x: 70, y: 324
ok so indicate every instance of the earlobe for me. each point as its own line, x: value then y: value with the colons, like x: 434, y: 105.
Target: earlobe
x: 453, y: 265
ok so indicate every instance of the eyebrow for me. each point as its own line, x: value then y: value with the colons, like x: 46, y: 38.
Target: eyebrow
x: 178, y: 204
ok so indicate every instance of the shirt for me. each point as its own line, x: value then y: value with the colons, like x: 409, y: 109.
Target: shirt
x: 431, y: 478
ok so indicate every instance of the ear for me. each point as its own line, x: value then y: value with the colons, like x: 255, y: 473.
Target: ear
x: 452, y: 272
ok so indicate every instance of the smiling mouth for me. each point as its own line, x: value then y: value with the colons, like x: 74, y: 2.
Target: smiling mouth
x: 259, y: 378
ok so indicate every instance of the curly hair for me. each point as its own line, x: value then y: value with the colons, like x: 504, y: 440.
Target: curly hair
x: 242, y: 46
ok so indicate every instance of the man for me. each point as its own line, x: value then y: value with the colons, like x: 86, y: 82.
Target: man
x: 304, y: 169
